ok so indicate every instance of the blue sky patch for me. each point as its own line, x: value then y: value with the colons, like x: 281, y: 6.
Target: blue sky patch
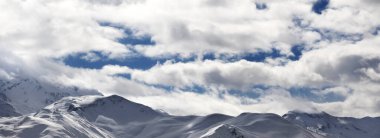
x: 259, y: 56
x: 130, y: 37
x: 134, y: 62
x: 297, y: 52
x: 141, y: 40
x: 262, y: 55
x: 124, y: 75
x: 195, y: 88
x: 261, y: 6
x: 320, y: 5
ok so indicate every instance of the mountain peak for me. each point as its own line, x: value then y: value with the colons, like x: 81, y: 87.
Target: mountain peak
x: 28, y: 95
x: 113, y: 99
x: 112, y: 107
x: 225, y: 131
x: 294, y: 114
x: 115, y: 116
x: 330, y: 126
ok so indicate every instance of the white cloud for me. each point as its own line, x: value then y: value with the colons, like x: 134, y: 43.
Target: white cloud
x: 348, y: 67
x: 36, y: 35
x: 335, y: 64
x: 92, y: 57
x: 54, y: 29
x: 237, y: 75
x: 184, y: 103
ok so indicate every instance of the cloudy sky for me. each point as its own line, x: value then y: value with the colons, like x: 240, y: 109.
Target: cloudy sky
x: 202, y: 56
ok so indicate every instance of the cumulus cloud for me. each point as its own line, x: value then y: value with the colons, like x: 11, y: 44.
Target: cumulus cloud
x: 335, y: 64
x: 346, y: 68
x: 340, y: 51
x: 54, y: 29
x: 237, y: 75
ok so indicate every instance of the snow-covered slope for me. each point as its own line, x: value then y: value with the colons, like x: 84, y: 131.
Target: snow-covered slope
x: 29, y: 95
x: 49, y: 123
x: 116, y: 108
x: 227, y: 131
x: 253, y: 125
x: 76, y: 117
x: 172, y: 126
x: 115, y: 117
x: 336, y: 127
x: 6, y: 109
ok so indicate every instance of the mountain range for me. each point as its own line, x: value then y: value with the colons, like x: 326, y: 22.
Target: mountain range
x: 33, y: 109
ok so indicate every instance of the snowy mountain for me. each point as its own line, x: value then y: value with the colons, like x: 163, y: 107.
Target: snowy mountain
x: 96, y: 116
x: 114, y: 116
x: 253, y: 125
x: 225, y: 130
x: 6, y: 108
x: 77, y: 117
x: 49, y: 123
x: 336, y: 127
x: 24, y: 95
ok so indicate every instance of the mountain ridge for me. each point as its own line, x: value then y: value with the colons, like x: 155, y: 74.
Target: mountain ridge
x: 92, y: 116
x: 60, y: 111
x: 27, y: 95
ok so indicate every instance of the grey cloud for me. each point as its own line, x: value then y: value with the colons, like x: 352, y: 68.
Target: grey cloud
x: 216, y: 2
x: 373, y: 1
x: 180, y: 31
x: 348, y: 68
x: 210, y: 41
